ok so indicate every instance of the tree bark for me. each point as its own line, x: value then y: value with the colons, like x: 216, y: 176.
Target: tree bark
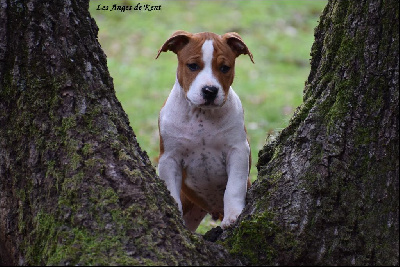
x: 75, y: 187
x: 328, y: 185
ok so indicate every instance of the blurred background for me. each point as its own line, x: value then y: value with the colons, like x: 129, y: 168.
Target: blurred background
x: 279, y: 33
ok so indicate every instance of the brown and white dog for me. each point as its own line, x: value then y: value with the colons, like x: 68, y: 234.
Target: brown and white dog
x: 204, y: 152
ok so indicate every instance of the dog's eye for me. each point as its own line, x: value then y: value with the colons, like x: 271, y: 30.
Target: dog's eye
x: 193, y: 66
x: 224, y: 68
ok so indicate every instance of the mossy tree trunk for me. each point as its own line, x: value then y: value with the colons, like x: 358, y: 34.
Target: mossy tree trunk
x: 328, y: 186
x: 75, y: 187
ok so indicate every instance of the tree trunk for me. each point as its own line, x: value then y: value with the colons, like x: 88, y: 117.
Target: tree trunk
x: 328, y: 186
x: 75, y: 187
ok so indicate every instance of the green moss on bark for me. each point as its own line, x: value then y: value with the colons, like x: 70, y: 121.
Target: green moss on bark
x: 331, y: 177
x: 259, y: 240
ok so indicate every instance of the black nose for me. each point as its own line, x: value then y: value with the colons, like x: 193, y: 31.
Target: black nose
x: 209, y: 93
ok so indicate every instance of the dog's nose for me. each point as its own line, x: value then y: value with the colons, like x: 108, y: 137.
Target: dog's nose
x: 209, y: 93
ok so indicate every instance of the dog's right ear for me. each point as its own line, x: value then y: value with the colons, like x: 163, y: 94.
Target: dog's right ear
x: 236, y: 43
x: 175, y: 43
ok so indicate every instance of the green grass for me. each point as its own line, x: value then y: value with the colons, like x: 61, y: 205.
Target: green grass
x: 278, y: 33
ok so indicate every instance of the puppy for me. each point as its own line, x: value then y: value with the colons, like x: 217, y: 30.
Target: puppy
x: 204, y: 152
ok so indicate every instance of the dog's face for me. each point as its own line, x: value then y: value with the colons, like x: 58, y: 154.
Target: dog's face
x: 206, y: 65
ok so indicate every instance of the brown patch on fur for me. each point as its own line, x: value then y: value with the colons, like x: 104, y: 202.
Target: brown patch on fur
x: 187, y: 205
x: 237, y: 44
x: 248, y: 183
x: 191, y: 54
x: 174, y: 43
x: 223, y: 56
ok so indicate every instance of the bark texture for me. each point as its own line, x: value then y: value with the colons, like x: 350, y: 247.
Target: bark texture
x: 328, y: 186
x: 75, y: 187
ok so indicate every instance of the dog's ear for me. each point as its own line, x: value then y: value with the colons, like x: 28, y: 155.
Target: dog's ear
x: 236, y: 43
x: 175, y: 43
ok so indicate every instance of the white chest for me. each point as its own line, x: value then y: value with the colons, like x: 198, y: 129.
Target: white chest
x: 200, y: 140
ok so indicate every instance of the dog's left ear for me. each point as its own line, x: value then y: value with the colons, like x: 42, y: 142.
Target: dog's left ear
x: 236, y: 43
x: 175, y: 43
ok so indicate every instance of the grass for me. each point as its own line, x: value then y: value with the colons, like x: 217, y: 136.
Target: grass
x: 279, y: 33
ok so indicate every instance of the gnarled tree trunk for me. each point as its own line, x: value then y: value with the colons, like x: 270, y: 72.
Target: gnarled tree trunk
x: 328, y: 187
x: 75, y: 187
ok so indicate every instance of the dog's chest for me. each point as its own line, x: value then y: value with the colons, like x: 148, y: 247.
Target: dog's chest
x: 206, y: 144
x: 200, y: 141
x: 204, y: 156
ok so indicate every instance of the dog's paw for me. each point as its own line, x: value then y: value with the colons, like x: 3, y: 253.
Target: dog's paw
x: 229, y: 220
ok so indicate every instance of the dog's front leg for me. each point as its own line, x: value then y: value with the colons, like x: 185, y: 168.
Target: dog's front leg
x: 236, y: 188
x: 171, y: 172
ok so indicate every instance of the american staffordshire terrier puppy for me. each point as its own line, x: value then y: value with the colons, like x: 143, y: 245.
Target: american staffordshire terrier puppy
x: 204, y: 152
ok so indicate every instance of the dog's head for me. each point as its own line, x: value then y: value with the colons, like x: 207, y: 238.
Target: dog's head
x: 206, y: 64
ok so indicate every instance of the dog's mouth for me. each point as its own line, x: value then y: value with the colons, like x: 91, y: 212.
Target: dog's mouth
x: 206, y: 104
x: 209, y: 103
